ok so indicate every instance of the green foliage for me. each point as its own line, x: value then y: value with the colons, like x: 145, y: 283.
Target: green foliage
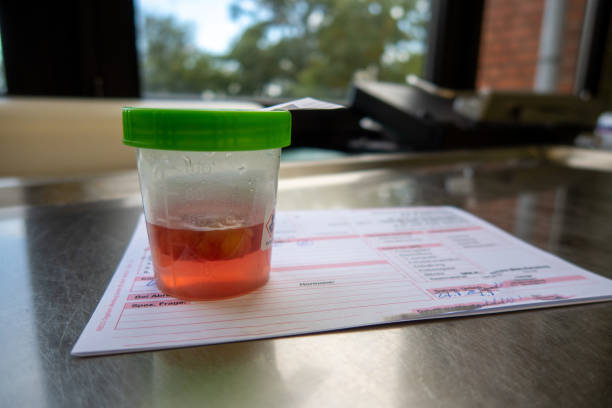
x: 292, y: 48
x: 174, y: 64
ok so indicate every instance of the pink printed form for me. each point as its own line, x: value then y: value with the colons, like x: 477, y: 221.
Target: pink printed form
x: 342, y: 269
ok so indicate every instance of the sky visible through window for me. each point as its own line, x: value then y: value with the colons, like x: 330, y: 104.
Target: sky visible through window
x: 213, y: 26
x: 275, y: 48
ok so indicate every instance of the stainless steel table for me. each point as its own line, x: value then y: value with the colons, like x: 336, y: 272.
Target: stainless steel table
x: 61, y: 240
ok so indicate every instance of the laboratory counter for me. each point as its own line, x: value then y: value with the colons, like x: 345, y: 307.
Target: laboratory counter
x: 61, y: 241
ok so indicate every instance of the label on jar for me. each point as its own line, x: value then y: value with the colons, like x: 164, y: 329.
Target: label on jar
x: 268, y: 229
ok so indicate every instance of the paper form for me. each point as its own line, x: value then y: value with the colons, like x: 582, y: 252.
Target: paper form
x: 342, y: 269
x: 304, y: 103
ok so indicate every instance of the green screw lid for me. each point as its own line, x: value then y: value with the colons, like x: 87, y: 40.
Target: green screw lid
x: 202, y: 130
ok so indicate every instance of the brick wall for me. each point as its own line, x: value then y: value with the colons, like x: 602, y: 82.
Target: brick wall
x: 510, y: 41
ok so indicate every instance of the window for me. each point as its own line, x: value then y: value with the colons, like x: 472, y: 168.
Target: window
x: 2, y: 74
x: 270, y: 49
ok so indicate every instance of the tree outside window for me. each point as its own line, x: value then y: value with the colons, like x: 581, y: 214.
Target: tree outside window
x: 288, y: 49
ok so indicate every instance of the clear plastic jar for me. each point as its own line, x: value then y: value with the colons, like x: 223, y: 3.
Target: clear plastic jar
x: 208, y: 181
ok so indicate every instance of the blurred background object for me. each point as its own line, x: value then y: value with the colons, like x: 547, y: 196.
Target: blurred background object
x: 603, y: 132
x: 64, y: 136
x: 413, y: 74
